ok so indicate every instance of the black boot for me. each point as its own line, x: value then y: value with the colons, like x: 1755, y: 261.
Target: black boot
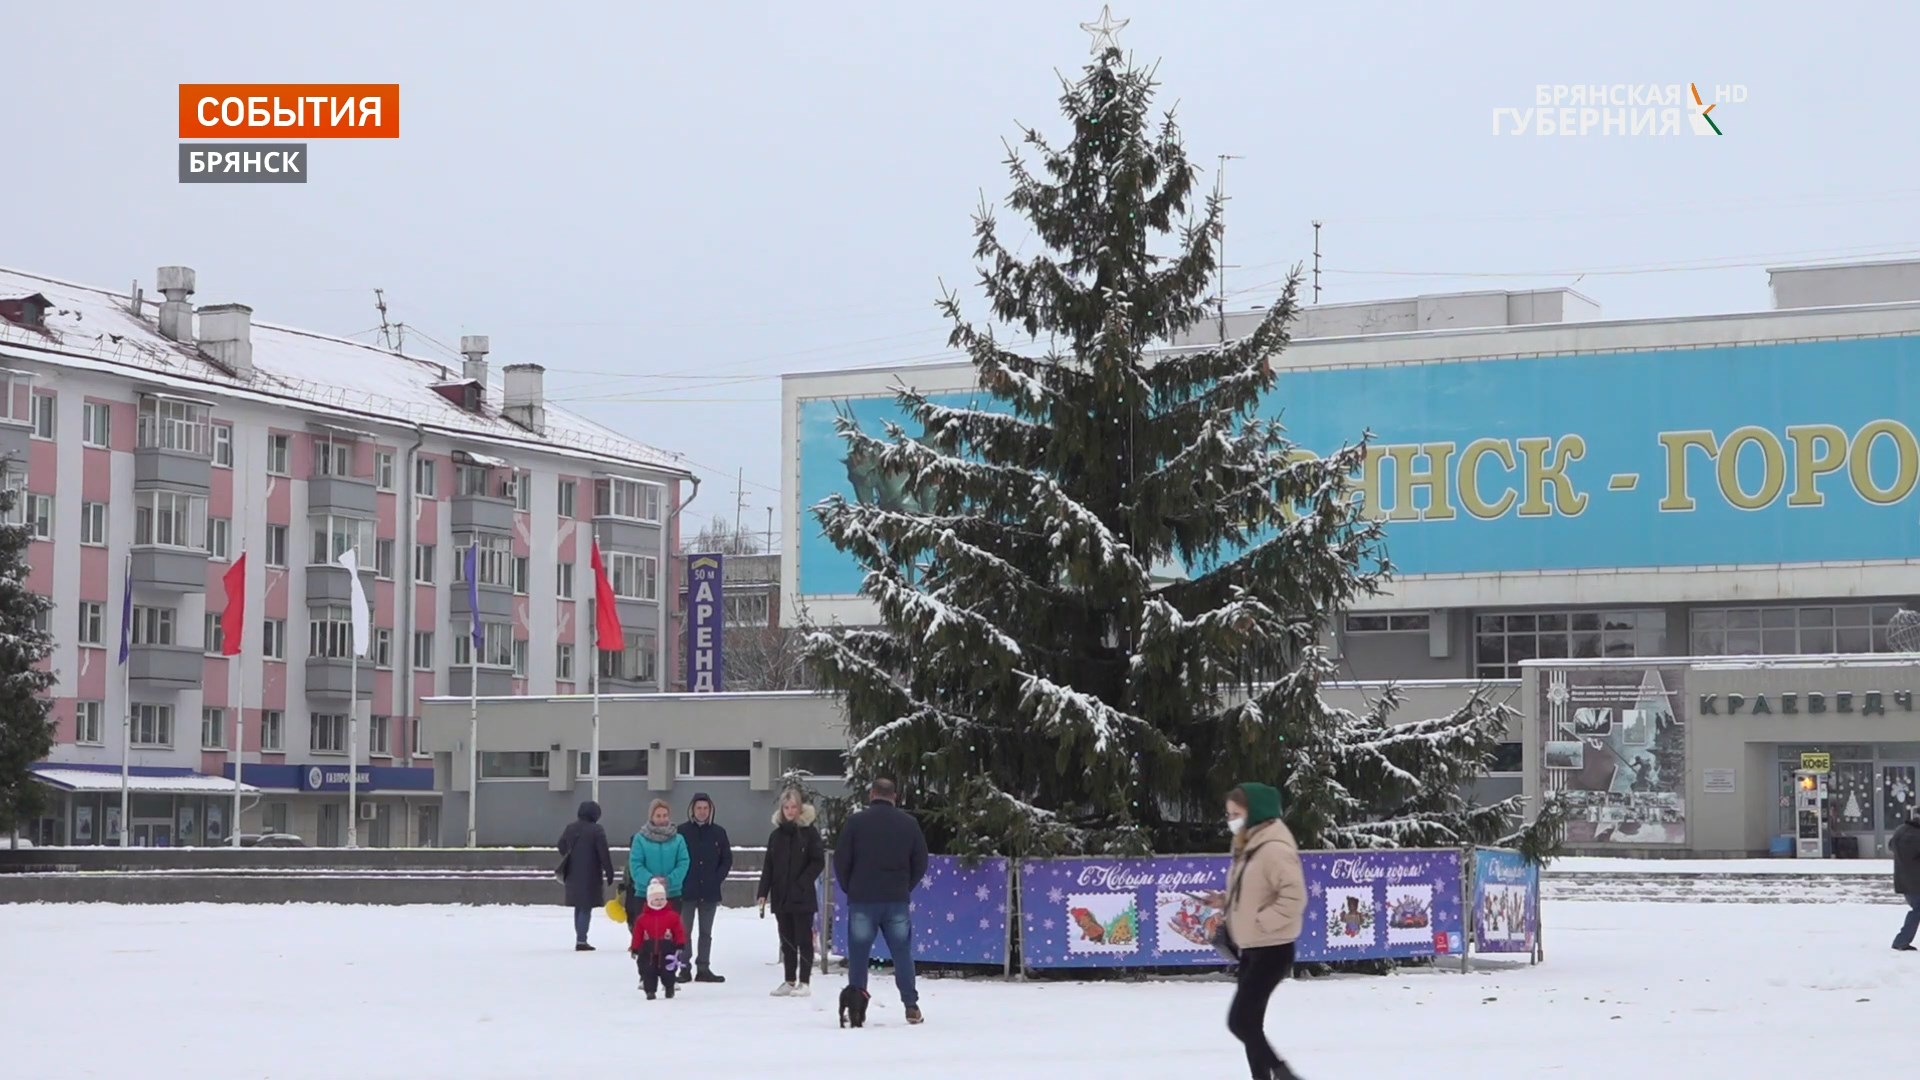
x: 707, y: 976
x: 581, y: 946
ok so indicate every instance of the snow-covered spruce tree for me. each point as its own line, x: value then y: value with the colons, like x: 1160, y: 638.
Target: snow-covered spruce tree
x: 26, y: 733
x: 1038, y: 683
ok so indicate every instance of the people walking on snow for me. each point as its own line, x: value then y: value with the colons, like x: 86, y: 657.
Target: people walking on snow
x: 585, y: 864
x: 1266, y: 902
x: 879, y: 859
x: 659, y: 937
x: 709, y: 860
x: 1904, y: 845
x: 795, y: 858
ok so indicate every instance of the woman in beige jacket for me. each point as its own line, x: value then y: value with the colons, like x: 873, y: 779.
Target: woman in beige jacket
x: 1265, y: 902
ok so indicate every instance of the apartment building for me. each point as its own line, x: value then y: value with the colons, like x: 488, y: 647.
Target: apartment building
x: 157, y: 441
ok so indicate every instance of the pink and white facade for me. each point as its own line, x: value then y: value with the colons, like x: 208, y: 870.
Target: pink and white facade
x: 162, y: 441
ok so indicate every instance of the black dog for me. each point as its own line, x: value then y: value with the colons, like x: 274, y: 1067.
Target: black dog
x: 853, y: 1007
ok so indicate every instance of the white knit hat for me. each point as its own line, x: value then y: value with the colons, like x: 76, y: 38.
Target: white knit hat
x: 656, y: 890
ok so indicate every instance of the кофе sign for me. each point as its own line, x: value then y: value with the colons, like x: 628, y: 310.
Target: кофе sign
x: 1866, y: 703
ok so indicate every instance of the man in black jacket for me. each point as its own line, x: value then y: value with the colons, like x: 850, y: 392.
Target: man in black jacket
x: 709, y: 858
x: 1905, y: 848
x: 879, y: 859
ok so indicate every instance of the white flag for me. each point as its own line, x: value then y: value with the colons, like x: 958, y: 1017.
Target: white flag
x: 362, y: 631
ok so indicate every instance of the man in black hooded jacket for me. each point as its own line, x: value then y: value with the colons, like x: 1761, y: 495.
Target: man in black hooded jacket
x: 1904, y: 846
x: 709, y: 859
x: 585, y: 866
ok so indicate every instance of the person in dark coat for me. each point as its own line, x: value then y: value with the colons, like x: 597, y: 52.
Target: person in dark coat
x: 879, y: 859
x: 709, y: 860
x: 588, y: 866
x: 1905, y: 848
x: 796, y: 857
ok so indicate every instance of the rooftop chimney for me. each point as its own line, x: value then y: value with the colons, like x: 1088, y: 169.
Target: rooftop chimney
x: 475, y: 348
x: 226, y: 337
x: 176, y: 314
x: 526, y: 400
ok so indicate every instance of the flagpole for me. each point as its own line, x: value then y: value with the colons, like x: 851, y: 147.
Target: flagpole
x: 473, y: 741
x: 353, y: 745
x: 239, y: 668
x: 126, y: 691
x: 594, y: 675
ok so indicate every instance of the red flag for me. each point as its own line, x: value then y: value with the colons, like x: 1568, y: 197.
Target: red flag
x: 233, y: 620
x: 608, y: 636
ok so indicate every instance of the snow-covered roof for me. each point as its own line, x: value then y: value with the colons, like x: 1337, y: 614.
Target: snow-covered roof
x: 93, y: 780
x: 92, y: 328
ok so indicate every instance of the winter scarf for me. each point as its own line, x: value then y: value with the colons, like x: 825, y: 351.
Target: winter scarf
x: 659, y: 834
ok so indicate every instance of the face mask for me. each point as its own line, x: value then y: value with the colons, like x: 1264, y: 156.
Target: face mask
x: 1235, y: 824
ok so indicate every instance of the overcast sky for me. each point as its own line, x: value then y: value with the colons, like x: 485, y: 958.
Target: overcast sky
x: 671, y: 205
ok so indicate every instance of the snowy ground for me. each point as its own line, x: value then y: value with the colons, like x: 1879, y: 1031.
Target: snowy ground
x: 407, y: 993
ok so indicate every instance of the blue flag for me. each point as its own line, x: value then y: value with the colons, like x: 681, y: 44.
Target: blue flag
x: 473, y: 598
x: 126, y: 616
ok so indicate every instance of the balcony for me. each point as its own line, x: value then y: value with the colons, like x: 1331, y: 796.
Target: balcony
x: 170, y: 569
x: 331, y: 677
x: 327, y: 584
x: 482, y: 512
x: 496, y: 602
x: 350, y: 495
x: 623, y: 534
x: 172, y: 470
x: 16, y: 441
x: 166, y: 668
x: 494, y: 681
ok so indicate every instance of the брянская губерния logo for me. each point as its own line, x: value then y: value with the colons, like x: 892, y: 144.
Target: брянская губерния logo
x: 1618, y: 109
x: 253, y: 113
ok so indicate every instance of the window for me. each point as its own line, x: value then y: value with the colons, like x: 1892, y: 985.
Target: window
x: 15, y: 386
x: 273, y: 639
x: 1506, y: 758
x: 470, y: 480
x: 635, y: 500
x: 748, y: 609
x: 327, y: 733
x: 219, y: 537
x: 14, y: 479
x: 332, y: 458
x: 423, y: 558
x: 423, y: 472
x: 153, y: 725
x: 170, y: 519
x: 497, y: 650
x: 276, y: 545
x: 513, y: 765
x: 1502, y: 641
x: 521, y: 570
x: 415, y: 742
x: 40, y: 517
x: 522, y: 493
x: 423, y: 650
x: 635, y: 577
x: 86, y: 721
x: 213, y: 637
x: 93, y: 524
x: 96, y: 424
x: 43, y: 405
x: 383, y: 559
x: 93, y: 622
x: 569, y: 493
x: 223, y: 445
x: 43, y: 616
x: 635, y: 663
x: 280, y: 455
x: 273, y: 731
x: 713, y: 764
x: 563, y: 581
x: 379, y: 732
x: 383, y: 470
x: 1388, y: 623
x: 273, y: 818
x: 614, y: 763
x: 213, y: 729
x: 330, y: 632
x: 382, y: 647
x: 1814, y: 630
x: 495, y: 564
x: 171, y: 424
x: 563, y: 662
x: 152, y: 626
x: 520, y: 657
x: 822, y: 763
x: 336, y: 534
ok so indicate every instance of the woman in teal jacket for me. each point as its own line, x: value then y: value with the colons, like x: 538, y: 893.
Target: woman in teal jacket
x: 659, y: 851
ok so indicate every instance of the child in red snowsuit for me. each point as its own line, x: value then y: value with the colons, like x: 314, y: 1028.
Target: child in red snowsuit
x: 658, y: 937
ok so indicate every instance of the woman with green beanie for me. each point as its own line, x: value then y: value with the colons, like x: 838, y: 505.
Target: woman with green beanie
x: 1265, y: 902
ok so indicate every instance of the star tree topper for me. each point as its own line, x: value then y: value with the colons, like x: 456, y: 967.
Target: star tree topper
x: 1105, y: 30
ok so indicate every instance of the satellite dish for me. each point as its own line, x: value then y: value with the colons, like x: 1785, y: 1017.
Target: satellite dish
x: 1903, y: 631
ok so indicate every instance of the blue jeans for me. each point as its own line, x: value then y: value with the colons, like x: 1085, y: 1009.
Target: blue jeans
x: 893, y: 920
x: 582, y: 918
x: 1908, y: 928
